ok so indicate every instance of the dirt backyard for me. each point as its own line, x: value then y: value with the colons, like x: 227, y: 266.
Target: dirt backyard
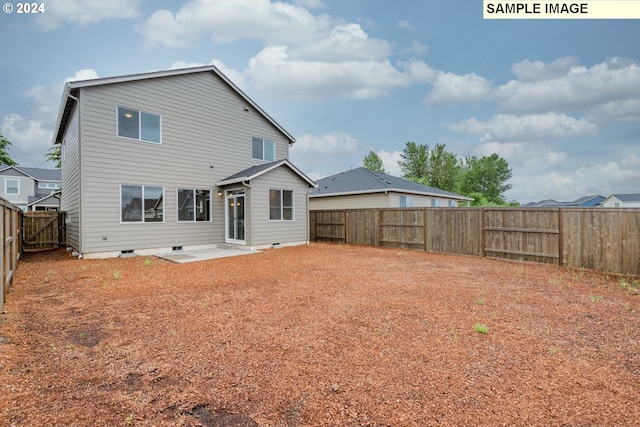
x: 320, y: 335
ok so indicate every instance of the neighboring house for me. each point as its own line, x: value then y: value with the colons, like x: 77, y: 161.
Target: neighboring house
x: 171, y: 160
x: 31, y: 188
x: 622, y: 201
x: 363, y: 188
x: 582, y: 202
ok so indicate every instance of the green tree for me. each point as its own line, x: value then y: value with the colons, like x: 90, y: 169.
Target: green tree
x: 487, y: 175
x: 55, y: 155
x: 414, y: 161
x: 5, y: 159
x: 373, y: 162
x: 444, y: 168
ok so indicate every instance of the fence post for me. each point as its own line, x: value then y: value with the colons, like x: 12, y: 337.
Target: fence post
x: 424, y: 224
x: 483, y: 236
x: 560, y: 237
x: 346, y: 227
x: 380, y: 215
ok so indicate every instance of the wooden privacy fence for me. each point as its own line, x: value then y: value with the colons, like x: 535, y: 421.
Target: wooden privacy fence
x: 10, y: 249
x: 596, y: 238
x: 43, y: 230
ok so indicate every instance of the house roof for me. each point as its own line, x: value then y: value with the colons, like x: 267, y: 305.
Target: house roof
x: 626, y: 197
x: 38, y: 174
x: 256, y: 171
x: 34, y: 200
x: 362, y: 180
x: 71, y: 92
x: 585, y: 201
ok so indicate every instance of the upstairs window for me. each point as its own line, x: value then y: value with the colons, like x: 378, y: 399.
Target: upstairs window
x: 139, y: 125
x: 262, y: 149
x: 11, y: 186
x: 49, y: 185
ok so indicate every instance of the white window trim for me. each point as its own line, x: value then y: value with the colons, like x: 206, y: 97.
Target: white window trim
x: 293, y: 205
x: 139, y: 139
x: 49, y: 185
x: 6, y: 186
x: 179, y: 221
x: 143, y: 221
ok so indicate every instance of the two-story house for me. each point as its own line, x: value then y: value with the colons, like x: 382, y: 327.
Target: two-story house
x: 170, y: 160
x: 31, y: 189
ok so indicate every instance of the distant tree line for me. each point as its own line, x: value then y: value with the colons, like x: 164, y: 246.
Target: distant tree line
x: 484, y: 179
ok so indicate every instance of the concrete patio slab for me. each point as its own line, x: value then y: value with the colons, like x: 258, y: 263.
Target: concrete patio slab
x: 204, y: 254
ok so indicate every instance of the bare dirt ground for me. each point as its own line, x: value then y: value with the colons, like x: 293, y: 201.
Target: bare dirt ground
x: 323, y: 335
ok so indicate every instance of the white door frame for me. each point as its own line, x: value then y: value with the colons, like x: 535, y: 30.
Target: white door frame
x: 235, y: 224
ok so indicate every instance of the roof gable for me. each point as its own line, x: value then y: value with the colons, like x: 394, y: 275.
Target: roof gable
x: 258, y: 170
x: 363, y: 180
x: 38, y: 174
x: 71, y: 93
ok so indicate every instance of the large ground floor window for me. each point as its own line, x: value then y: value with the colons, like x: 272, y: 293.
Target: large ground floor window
x: 141, y: 203
x: 194, y: 205
x: 281, y: 205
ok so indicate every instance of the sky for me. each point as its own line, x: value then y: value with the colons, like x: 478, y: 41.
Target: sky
x: 558, y: 99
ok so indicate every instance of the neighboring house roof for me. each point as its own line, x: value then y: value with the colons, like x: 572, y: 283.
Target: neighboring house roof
x: 256, y: 171
x: 38, y: 174
x: 362, y: 180
x: 585, y: 202
x: 544, y: 204
x: 35, y: 200
x: 72, y: 88
x: 626, y: 197
x: 588, y: 201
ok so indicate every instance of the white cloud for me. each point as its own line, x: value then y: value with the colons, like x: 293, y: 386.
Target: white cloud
x: 27, y: 137
x: 627, y: 110
x: 273, y: 71
x: 311, y: 4
x: 449, y: 88
x: 225, y: 21
x: 390, y: 162
x: 528, y: 71
x: 509, y: 128
x: 323, y: 155
x: 33, y: 134
x: 579, y: 88
x: 330, y: 143
x: 416, y: 48
x: 406, y: 25
x: 84, y: 12
x: 620, y: 176
x: 84, y: 74
x: 347, y: 42
x: 533, y: 155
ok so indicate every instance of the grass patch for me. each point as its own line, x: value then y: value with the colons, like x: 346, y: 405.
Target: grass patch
x: 480, y: 328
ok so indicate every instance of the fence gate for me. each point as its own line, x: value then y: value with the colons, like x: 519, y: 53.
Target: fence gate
x: 43, y: 230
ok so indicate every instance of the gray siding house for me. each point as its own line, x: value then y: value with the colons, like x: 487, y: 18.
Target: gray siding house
x: 171, y: 160
x: 362, y: 188
x: 31, y: 188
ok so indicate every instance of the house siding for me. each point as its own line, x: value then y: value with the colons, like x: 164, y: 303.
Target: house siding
x: 70, y: 201
x: 204, y: 123
x: 356, y: 201
x: 265, y: 232
x: 612, y: 200
x: 373, y: 201
x: 419, y: 201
